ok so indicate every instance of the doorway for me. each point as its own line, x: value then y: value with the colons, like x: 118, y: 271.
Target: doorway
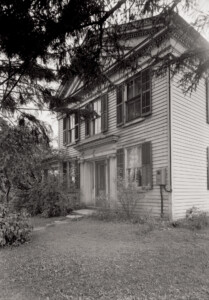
x: 100, y: 181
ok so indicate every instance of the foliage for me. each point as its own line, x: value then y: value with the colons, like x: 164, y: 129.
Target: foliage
x: 14, y: 227
x: 128, y: 196
x: 22, y: 150
x: 46, y: 198
x: 56, y: 40
x: 145, y: 222
x: 196, y: 218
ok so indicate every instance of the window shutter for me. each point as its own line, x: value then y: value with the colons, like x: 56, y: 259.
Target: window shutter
x: 87, y: 122
x: 77, y: 126
x: 147, y: 164
x: 104, y: 113
x: 77, y: 174
x: 120, y: 108
x: 65, y: 131
x: 207, y: 99
x: 64, y: 173
x: 146, y: 92
x: 120, y: 164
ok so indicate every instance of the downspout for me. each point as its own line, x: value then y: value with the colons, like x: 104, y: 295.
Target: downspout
x: 170, y: 143
x: 163, y: 186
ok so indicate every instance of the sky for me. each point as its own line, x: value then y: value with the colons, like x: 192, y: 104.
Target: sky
x: 202, y: 6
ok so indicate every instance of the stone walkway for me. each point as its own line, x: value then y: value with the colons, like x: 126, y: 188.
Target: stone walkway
x: 77, y: 214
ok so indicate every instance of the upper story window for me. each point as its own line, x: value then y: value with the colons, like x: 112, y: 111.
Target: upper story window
x: 96, y: 121
x: 99, y: 122
x: 134, y: 98
x: 71, y: 129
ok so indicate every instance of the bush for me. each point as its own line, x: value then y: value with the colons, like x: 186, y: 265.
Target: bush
x: 14, y: 227
x: 47, y: 198
x: 128, y: 196
x: 197, y: 219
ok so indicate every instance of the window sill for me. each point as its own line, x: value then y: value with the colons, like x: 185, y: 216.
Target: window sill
x: 129, y: 123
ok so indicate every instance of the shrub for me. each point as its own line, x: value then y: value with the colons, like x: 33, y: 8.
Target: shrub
x: 14, y: 227
x: 197, y: 219
x: 47, y: 198
x: 128, y: 196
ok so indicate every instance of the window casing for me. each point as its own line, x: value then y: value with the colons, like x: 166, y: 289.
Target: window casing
x: 65, y: 122
x: 74, y: 174
x: 99, y: 121
x: 71, y: 129
x: 134, y: 164
x: 134, y: 98
x: 96, y: 122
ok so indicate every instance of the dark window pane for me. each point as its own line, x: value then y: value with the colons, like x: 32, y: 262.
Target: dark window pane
x: 138, y: 106
x: 87, y: 127
x: 119, y: 113
x: 69, y: 136
x: 139, y: 177
x: 130, y: 89
x: 64, y: 123
x: 76, y: 118
x: 146, y: 103
x: 120, y: 94
x: 137, y: 86
x: 131, y: 110
x: 76, y: 132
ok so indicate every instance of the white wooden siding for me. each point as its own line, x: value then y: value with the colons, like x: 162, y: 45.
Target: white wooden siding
x: 190, y: 138
x: 154, y: 128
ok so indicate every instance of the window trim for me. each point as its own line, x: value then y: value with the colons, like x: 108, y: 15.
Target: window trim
x: 65, y: 130
x: 91, y: 121
x: 69, y: 131
x: 144, y: 165
x: 125, y: 101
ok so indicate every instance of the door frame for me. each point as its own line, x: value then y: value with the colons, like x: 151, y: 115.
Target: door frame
x: 94, y: 189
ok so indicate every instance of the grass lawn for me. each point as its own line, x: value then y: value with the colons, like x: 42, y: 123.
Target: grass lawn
x: 91, y: 259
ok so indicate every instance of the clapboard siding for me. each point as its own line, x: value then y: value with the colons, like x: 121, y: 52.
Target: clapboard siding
x: 70, y: 150
x: 190, y: 138
x: 153, y: 128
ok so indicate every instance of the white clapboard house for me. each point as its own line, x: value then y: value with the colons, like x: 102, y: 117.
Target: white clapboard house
x: 146, y: 127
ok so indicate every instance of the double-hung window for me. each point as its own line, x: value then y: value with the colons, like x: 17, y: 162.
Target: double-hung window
x: 65, y: 123
x: 134, y: 164
x: 74, y: 174
x: 71, y: 129
x: 134, y: 98
x: 98, y: 122
x: 97, y: 118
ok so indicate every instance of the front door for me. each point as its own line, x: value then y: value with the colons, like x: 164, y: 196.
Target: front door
x: 100, y: 180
